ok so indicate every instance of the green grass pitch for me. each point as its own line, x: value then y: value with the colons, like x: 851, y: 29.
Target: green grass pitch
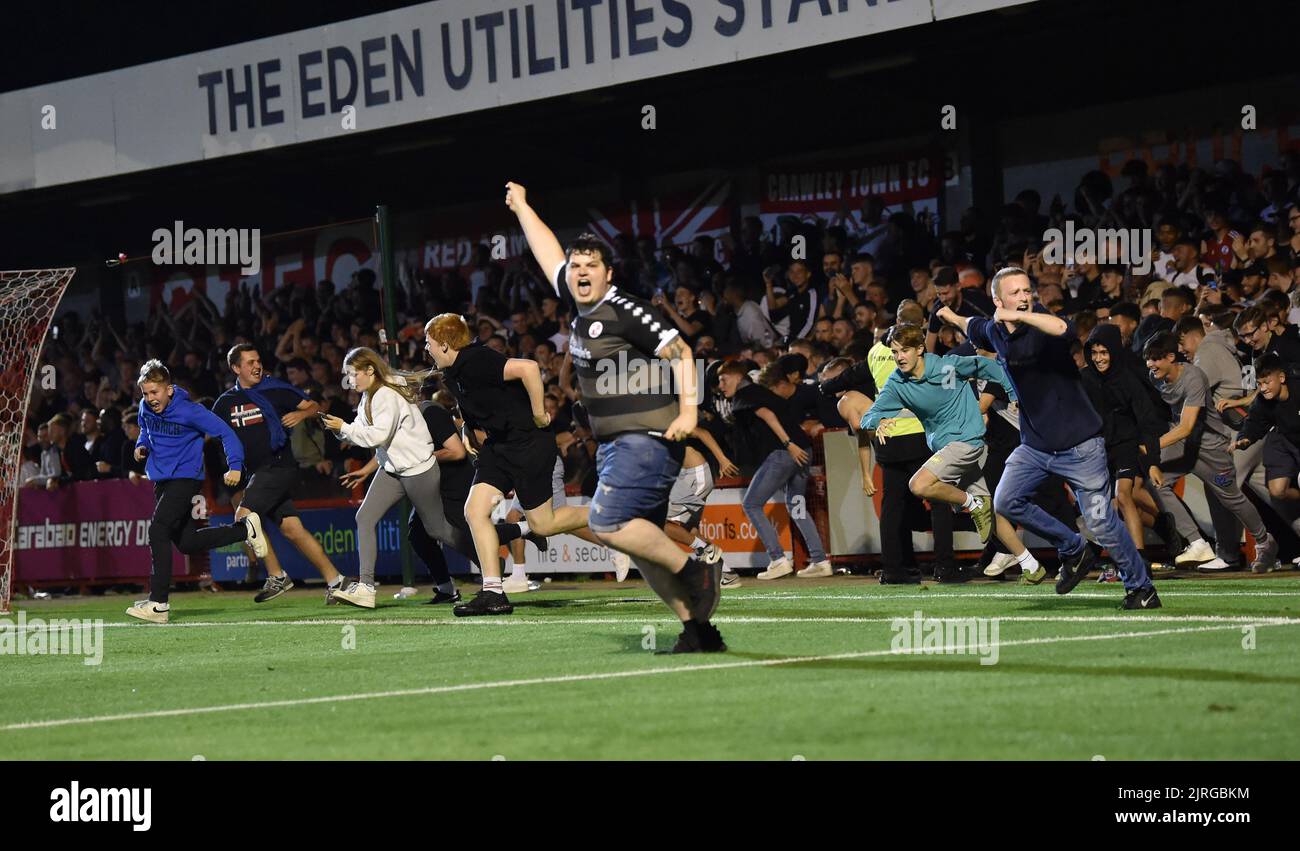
x: 811, y: 674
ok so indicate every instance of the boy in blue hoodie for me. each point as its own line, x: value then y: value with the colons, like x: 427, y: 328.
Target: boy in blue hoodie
x: 172, y: 428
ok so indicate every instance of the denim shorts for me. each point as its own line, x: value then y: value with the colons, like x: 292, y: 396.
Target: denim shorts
x: 635, y: 475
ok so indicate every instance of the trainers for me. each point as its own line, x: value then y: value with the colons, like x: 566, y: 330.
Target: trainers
x: 256, y: 537
x: 147, y: 610
x: 712, y: 553
x: 900, y: 577
x: 1198, y: 551
x: 699, y: 638
x: 1035, y: 577
x: 358, y: 594
x: 1002, y: 562
x: 1141, y: 598
x: 1266, y: 560
x: 730, y: 579
x: 952, y: 575
x: 1075, y: 568
x: 273, y: 587
x: 622, y: 565
x: 405, y: 593
x: 516, y: 583
x: 484, y: 603
x: 1215, y: 564
x: 440, y: 597
x: 536, y: 540
x: 777, y: 569
x: 703, y: 583
x: 331, y: 590
x: 818, y: 570
x: 982, y: 513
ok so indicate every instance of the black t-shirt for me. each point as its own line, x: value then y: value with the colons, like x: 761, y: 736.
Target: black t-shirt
x: 706, y: 326
x: 248, y: 420
x: 487, y: 399
x: 745, y: 405
x: 805, y: 404
x: 456, y: 476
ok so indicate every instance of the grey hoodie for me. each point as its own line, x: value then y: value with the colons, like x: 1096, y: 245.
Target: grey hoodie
x: 1217, y: 358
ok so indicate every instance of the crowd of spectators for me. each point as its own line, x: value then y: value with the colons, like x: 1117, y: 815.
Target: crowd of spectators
x: 1223, y: 239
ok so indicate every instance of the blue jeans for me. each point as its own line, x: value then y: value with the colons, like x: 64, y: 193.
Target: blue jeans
x: 635, y: 475
x: 1084, y: 467
x: 779, y: 471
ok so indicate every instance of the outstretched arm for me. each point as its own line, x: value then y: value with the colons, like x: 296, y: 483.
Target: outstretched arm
x: 545, y: 247
x: 1045, y: 322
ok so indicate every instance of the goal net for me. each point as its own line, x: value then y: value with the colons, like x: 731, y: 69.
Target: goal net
x: 27, y: 303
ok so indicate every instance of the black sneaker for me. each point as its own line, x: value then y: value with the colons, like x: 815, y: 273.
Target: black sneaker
x: 441, y: 597
x: 1075, y: 568
x: 1142, y: 598
x: 536, y: 540
x: 703, y: 583
x: 901, y: 577
x: 274, y: 587
x: 484, y: 603
x: 699, y: 638
x: 952, y: 575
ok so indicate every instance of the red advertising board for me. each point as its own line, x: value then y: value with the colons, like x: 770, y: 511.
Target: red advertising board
x: 86, y: 531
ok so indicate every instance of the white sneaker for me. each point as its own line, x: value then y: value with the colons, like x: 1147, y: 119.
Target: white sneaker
x: 256, y: 537
x: 1215, y: 563
x: 712, y: 554
x: 816, y: 571
x: 516, y: 583
x: 622, y: 564
x: 358, y: 594
x: 777, y: 569
x: 730, y: 579
x: 147, y: 610
x: 1002, y: 562
x: 405, y: 593
x: 1197, y: 552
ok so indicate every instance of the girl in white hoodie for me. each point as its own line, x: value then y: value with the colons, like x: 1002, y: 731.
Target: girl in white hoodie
x: 389, y: 420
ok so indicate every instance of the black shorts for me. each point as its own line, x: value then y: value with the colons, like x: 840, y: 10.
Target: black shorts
x: 523, y: 466
x: 1281, y: 458
x: 1125, y: 461
x: 270, y: 492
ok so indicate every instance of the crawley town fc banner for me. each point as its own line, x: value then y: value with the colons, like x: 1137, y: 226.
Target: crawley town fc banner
x: 412, y: 64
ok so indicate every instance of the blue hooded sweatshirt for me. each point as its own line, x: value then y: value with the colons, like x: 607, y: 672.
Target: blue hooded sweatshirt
x: 175, y: 439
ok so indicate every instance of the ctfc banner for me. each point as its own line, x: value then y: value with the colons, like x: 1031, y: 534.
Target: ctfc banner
x: 827, y: 189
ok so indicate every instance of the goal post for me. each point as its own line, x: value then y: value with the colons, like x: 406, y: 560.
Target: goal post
x: 28, y: 300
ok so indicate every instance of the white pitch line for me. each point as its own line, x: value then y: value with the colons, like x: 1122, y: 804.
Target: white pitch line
x: 1000, y: 595
x: 724, y: 619
x: 575, y: 678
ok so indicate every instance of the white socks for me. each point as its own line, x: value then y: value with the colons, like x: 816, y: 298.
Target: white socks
x: 970, y: 502
x: 493, y: 584
x: 1027, y: 562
